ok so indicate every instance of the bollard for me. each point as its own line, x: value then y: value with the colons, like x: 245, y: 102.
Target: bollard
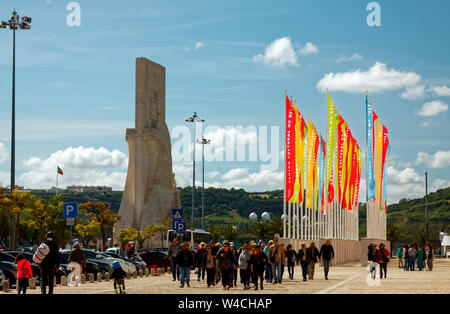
x: 63, y: 281
x: 32, y: 283
x: 134, y: 274
x: 141, y: 273
x: 147, y: 273
x: 54, y: 282
x: 83, y: 278
x: 163, y: 271
x: 6, y: 286
x: 153, y: 272
x: 106, y: 276
x: 91, y: 278
x: 169, y: 270
x: 99, y: 277
x: 128, y: 275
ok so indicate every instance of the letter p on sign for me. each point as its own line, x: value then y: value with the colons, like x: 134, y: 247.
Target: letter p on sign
x: 70, y: 210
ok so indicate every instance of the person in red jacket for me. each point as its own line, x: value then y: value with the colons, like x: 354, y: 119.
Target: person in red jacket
x: 382, y: 259
x: 24, y: 272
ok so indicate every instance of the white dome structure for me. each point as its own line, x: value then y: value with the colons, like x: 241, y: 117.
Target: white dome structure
x: 253, y: 216
x: 265, y: 216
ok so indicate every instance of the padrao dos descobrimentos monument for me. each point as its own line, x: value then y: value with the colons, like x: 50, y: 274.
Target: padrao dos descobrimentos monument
x: 150, y: 189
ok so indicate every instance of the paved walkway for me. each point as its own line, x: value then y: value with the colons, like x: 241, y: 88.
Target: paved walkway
x: 349, y: 278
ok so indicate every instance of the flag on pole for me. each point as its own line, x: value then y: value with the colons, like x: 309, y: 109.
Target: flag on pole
x: 330, y: 149
x: 369, y: 139
x: 290, y: 150
x: 59, y: 171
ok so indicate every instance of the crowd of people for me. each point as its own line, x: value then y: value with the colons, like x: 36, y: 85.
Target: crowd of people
x: 254, y: 262
x: 409, y: 256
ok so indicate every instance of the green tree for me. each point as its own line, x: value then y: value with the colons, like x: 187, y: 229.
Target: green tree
x: 88, y: 231
x: 393, y: 234
x: 126, y: 235
x: 102, y: 213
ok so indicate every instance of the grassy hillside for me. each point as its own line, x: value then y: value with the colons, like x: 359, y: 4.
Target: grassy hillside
x: 233, y: 206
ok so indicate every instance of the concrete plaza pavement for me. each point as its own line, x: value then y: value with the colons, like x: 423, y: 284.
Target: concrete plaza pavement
x: 350, y: 278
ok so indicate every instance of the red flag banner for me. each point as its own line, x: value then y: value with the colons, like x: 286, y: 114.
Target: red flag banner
x: 290, y: 150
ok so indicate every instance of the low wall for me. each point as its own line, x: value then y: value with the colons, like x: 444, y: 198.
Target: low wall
x: 344, y: 250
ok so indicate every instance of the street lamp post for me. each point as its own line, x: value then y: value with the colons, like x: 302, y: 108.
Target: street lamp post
x: 203, y: 142
x: 14, y: 24
x: 194, y: 119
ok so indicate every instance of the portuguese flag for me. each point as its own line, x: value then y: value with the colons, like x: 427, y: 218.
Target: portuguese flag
x: 59, y: 171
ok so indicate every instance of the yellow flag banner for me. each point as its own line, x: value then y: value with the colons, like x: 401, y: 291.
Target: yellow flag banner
x: 310, y: 164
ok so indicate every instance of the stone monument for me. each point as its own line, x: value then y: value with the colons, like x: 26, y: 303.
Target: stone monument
x: 150, y: 189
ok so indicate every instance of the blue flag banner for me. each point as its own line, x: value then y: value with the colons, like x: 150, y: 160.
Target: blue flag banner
x: 386, y: 175
x: 370, y: 177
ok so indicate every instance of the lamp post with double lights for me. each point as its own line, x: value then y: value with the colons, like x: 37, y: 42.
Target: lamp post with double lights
x: 203, y: 142
x: 194, y: 119
x: 14, y: 24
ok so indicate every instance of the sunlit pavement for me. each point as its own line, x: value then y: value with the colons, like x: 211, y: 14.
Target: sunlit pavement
x: 349, y: 278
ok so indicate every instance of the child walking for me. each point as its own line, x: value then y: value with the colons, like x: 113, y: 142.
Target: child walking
x: 24, y: 272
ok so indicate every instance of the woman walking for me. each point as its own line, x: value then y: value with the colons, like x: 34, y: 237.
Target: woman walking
x: 382, y: 259
x: 291, y: 259
x: 226, y: 263
x: 244, y: 266
x: 429, y: 256
x: 420, y: 257
x: 209, y: 263
x: 400, y: 256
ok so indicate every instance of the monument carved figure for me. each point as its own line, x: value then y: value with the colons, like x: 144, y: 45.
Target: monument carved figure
x: 150, y: 189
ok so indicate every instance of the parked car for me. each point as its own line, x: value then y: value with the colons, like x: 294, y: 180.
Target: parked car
x: 114, y: 250
x: 138, y: 263
x: 126, y: 265
x: 10, y: 272
x: 159, y: 259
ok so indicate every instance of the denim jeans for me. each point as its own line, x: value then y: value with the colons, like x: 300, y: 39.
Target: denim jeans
x: 406, y: 264
x: 412, y: 262
x: 269, y: 274
x: 326, y: 266
x: 175, y: 270
x: 200, y: 273
x: 276, y: 271
x: 185, y: 275
x: 304, y: 269
x: 420, y: 263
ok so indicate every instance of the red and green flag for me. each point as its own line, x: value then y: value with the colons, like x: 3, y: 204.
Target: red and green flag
x: 59, y: 171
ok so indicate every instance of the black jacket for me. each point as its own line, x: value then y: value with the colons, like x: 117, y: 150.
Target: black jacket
x: 291, y: 257
x: 312, y: 255
x: 185, y: 258
x: 52, y: 258
x: 226, y: 260
x: 118, y: 273
x: 258, y: 262
x: 300, y: 255
x: 326, y: 251
x: 198, y: 258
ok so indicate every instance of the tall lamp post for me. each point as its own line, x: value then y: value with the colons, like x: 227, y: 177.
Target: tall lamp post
x: 203, y: 142
x: 14, y: 24
x: 194, y: 119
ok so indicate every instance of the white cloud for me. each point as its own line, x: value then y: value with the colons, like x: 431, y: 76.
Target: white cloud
x: 414, y: 92
x: 440, y: 90
x: 198, y: 45
x: 345, y: 58
x: 309, y: 48
x: 279, y: 53
x: 377, y: 79
x: 440, y: 159
x: 432, y: 108
x: 81, y: 166
x: 243, y: 178
x: 3, y: 153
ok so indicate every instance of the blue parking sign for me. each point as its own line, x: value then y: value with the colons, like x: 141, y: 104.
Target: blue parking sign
x: 70, y: 210
x: 181, y: 227
x: 175, y: 223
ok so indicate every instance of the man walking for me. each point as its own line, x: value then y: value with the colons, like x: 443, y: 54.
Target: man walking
x: 49, y: 264
x: 429, y: 256
x: 174, y: 248
x: 185, y: 262
x: 312, y: 254
x: 276, y: 258
x: 301, y: 255
x: 326, y: 254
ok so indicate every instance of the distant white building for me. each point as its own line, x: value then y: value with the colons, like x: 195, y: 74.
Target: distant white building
x: 445, y: 243
x: 85, y: 188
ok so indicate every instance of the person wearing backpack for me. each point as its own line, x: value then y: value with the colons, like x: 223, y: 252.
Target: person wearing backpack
x: 24, y: 272
x: 49, y: 264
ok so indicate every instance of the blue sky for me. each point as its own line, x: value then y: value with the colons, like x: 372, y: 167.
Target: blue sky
x: 75, y: 85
